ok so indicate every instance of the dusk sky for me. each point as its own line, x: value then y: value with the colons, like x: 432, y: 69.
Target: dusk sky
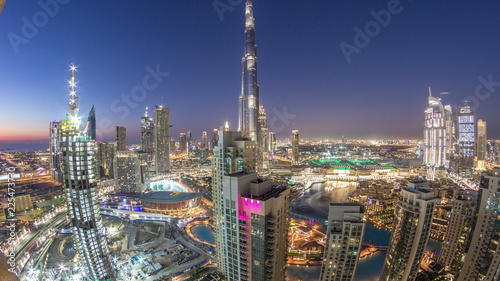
x: 452, y: 46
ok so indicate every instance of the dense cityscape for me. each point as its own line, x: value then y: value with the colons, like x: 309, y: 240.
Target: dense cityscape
x: 240, y: 203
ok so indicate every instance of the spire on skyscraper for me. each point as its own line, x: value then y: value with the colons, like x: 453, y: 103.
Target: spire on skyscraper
x: 73, y: 98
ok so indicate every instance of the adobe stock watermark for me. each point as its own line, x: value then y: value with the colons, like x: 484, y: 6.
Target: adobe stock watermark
x: 223, y: 6
x: 483, y: 91
x: 372, y: 29
x: 30, y: 28
x: 280, y: 120
x: 126, y: 102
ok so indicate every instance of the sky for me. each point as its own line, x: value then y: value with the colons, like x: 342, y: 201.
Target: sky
x: 327, y: 68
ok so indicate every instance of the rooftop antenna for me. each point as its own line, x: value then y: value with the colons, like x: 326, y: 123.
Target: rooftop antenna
x: 146, y: 115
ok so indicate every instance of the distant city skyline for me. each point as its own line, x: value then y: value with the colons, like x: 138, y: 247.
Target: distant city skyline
x: 186, y: 55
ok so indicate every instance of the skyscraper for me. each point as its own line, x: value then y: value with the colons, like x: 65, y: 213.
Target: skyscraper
x: 172, y: 146
x: 55, y: 152
x: 254, y: 240
x: 481, y: 147
x: 272, y: 143
x: 249, y: 103
x: 183, y: 143
x: 482, y: 261
x: 412, y: 224
x: 457, y: 238
x: 147, y: 134
x: 127, y: 172
x: 189, y: 140
x: 90, y: 127
x: 204, y: 140
x: 162, y: 139
x: 345, y: 231
x: 295, y: 146
x: 121, y: 138
x: 215, y: 138
x: 79, y: 181
x: 264, y: 133
x: 105, y: 156
x: 466, y: 142
x: 438, y: 133
x: 232, y: 154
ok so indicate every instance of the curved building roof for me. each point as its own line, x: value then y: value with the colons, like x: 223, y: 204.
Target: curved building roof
x: 166, y: 197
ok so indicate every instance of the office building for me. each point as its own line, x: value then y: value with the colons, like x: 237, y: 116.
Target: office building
x: 204, y: 141
x: 254, y: 238
x: 466, y: 142
x: 162, y: 139
x: 127, y: 172
x: 183, y: 143
x: 55, y: 153
x: 482, y: 261
x: 457, y: 237
x: 147, y: 134
x: 121, y: 138
x: 172, y: 146
x: 295, y: 147
x: 215, y: 139
x: 438, y: 134
x: 412, y: 224
x: 272, y: 143
x: 344, y: 235
x: 481, y: 145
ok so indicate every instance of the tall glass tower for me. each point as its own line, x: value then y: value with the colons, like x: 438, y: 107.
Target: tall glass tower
x: 162, y: 139
x: 466, y: 141
x: 78, y: 155
x: 249, y: 99
x: 147, y: 136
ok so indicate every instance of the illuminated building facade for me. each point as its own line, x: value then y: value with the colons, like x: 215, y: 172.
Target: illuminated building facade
x: 456, y: 240
x: 481, y: 145
x: 215, y: 139
x: 295, y: 146
x: 105, y: 155
x: 78, y: 155
x: 232, y: 154
x: 121, y: 138
x: 127, y: 172
x: 90, y: 128
x: 345, y: 231
x: 183, y: 143
x: 249, y: 103
x: 204, y: 140
x: 172, y: 146
x: 255, y: 229
x: 438, y: 134
x: 264, y: 134
x: 55, y: 154
x: 162, y: 139
x: 482, y: 261
x: 272, y: 143
x: 412, y: 224
x: 176, y: 204
x: 466, y: 141
x: 147, y: 134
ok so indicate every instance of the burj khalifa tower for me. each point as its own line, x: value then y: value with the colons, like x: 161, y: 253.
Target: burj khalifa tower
x: 249, y: 99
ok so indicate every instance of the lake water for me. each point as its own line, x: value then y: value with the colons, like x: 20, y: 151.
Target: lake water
x: 314, y: 204
x: 204, y: 233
